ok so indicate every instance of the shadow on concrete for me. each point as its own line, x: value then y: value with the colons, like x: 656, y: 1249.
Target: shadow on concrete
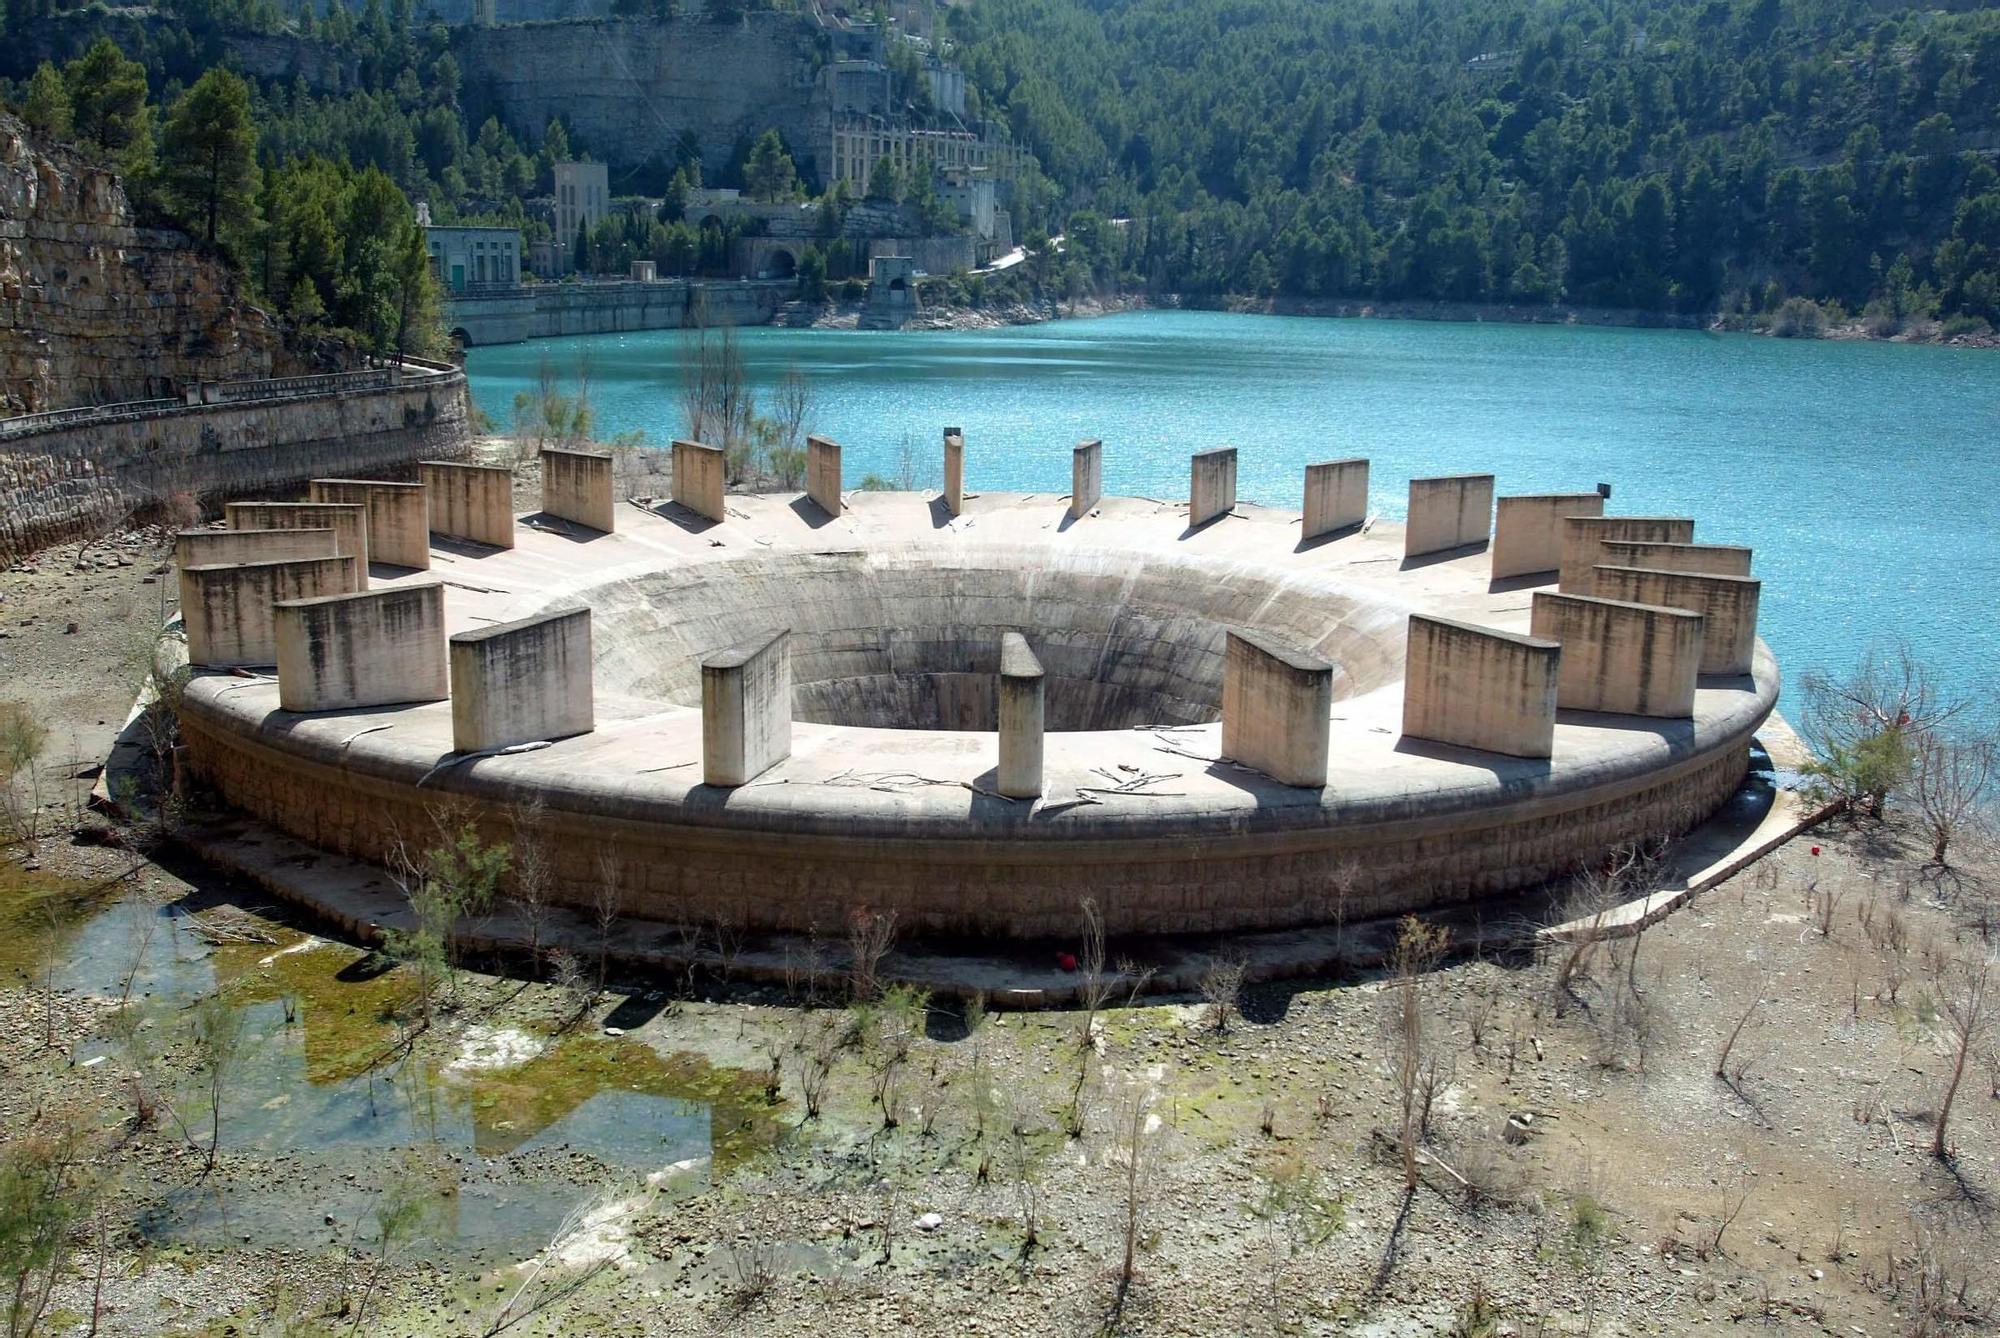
x: 1192, y: 530
x: 457, y: 547
x: 636, y: 1010
x: 1062, y: 526
x: 1670, y: 731
x: 687, y: 518
x: 562, y: 528
x: 812, y: 513
x: 1443, y: 555
x: 1509, y: 771
x: 1321, y: 540
x: 1527, y: 580
x: 941, y: 516
x: 389, y: 571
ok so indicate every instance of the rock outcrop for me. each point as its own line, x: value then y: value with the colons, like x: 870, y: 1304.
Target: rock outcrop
x: 96, y: 310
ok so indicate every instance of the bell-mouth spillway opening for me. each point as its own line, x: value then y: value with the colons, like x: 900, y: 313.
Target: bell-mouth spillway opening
x: 909, y: 638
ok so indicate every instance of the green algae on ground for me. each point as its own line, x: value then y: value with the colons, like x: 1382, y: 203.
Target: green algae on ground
x: 38, y: 913
x: 349, y: 1016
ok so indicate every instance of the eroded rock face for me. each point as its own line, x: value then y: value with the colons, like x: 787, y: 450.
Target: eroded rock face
x: 94, y: 310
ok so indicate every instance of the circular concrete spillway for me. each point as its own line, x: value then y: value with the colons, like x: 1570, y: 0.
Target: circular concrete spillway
x: 905, y: 637
x: 888, y: 797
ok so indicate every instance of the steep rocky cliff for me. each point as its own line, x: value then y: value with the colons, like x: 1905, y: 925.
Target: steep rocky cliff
x: 95, y: 310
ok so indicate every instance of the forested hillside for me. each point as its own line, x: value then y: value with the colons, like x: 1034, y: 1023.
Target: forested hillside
x: 1685, y: 155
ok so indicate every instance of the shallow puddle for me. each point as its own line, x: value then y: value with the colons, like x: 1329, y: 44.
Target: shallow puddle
x: 347, y: 1121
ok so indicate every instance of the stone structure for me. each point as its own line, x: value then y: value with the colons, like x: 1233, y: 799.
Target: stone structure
x: 746, y: 711
x: 1275, y: 703
x: 1727, y: 605
x: 1021, y: 717
x: 823, y: 474
x: 954, y: 470
x: 348, y: 521
x: 376, y: 648
x: 551, y: 310
x: 1455, y: 511
x: 892, y: 293
x: 1086, y: 477
x: 1211, y: 485
x: 1336, y: 497
x: 522, y: 682
x: 80, y: 471
x: 583, y: 198
x: 1584, y: 535
x: 1629, y: 659
x: 1478, y: 687
x: 226, y: 609
x: 858, y: 748
x: 466, y: 260
x: 1528, y: 530
x: 700, y: 474
x: 473, y: 502
x: 577, y: 486
x: 398, y: 517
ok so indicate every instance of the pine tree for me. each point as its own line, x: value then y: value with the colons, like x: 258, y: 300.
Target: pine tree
x: 107, y: 94
x: 47, y: 109
x: 207, y: 152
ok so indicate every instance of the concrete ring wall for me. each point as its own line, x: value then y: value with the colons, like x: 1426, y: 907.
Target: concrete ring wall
x: 1400, y: 825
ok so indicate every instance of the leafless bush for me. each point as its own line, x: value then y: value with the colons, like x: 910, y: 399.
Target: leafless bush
x: 1489, y: 1174
x: 1825, y: 903
x: 1418, y: 949
x: 817, y: 1066
x: 870, y: 935
x: 1950, y: 775
x: 533, y: 876
x: 1961, y: 988
x: 1944, y: 1277
x: 755, y: 1267
x: 1221, y: 987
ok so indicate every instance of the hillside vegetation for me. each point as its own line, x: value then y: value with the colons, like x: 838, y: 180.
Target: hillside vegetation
x: 1675, y: 155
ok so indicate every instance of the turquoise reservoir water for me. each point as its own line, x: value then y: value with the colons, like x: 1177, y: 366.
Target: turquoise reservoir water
x: 1865, y: 475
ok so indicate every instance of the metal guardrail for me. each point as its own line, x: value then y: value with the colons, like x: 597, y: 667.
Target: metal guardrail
x: 223, y: 392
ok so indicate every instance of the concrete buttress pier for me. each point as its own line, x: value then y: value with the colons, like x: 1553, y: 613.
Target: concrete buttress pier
x: 226, y: 608
x: 576, y: 486
x: 1453, y: 511
x: 1275, y: 704
x: 1020, y: 713
x: 1480, y: 688
x: 1584, y: 535
x: 1727, y: 604
x: 209, y: 548
x: 348, y: 521
x: 521, y: 682
x: 473, y: 502
x: 375, y: 648
x: 1707, y: 559
x: 399, y: 527
x: 823, y: 474
x: 701, y: 475
x: 1336, y: 496
x: 1528, y: 530
x: 1086, y: 477
x: 746, y: 710
x: 1211, y: 485
x: 1628, y: 659
x: 954, y: 470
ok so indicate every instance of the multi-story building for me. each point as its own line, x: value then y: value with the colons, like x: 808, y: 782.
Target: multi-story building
x: 857, y: 145
x: 468, y: 259
x: 583, y: 196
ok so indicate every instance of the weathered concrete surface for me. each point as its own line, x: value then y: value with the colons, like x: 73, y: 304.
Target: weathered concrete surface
x: 1455, y: 511
x: 522, y: 681
x: 1584, y: 535
x: 473, y: 502
x: 1708, y: 559
x: 1019, y: 706
x: 701, y: 477
x: 226, y: 609
x: 1086, y: 477
x: 1727, y: 605
x: 577, y: 486
x: 1631, y: 659
x: 823, y: 479
x: 840, y: 823
x: 558, y: 310
x: 207, y: 548
x: 1336, y: 496
x: 375, y: 648
x: 1211, y: 484
x: 1275, y: 703
x: 1528, y: 530
x: 347, y: 520
x: 954, y: 470
x: 746, y: 711
x: 399, y: 523
x: 1478, y: 687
